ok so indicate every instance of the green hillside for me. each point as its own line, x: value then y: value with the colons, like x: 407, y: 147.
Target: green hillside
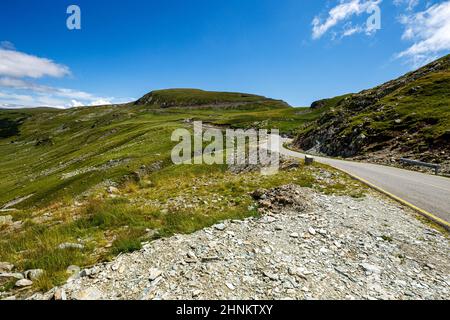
x: 406, y: 117
x: 200, y: 98
x: 102, y: 178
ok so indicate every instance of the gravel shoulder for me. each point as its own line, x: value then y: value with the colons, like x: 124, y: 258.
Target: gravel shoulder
x: 333, y: 247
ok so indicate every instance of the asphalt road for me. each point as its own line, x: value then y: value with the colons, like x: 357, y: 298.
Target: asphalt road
x: 427, y: 192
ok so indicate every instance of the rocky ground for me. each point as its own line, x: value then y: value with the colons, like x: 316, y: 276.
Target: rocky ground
x: 305, y: 245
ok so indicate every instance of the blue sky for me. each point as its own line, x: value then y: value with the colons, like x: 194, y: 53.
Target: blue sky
x: 295, y: 50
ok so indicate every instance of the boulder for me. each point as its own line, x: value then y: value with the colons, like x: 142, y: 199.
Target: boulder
x: 34, y: 274
x: 6, y: 267
x: 60, y: 294
x: 17, y: 275
x: 6, y: 220
x: 154, y: 274
x: 24, y: 283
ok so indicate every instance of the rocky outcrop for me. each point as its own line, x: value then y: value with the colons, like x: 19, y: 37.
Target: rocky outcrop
x: 375, y: 120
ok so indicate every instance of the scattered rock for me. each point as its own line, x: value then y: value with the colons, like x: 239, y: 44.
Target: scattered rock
x: 34, y: 274
x: 73, y: 269
x: 250, y: 259
x: 230, y: 286
x: 272, y: 276
x: 370, y: 268
x: 113, y: 190
x: 15, y: 275
x: 60, y: 294
x: 196, y: 293
x: 312, y: 231
x: 6, y: 267
x: 282, y: 198
x: 220, y: 227
x: 154, y: 274
x: 24, y: 283
x: 69, y: 245
x: 89, y: 294
x: 85, y: 273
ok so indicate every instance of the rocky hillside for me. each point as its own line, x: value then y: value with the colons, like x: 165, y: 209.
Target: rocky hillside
x: 406, y: 117
x: 195, y: 98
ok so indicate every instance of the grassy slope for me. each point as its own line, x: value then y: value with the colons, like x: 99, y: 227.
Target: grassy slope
x: 198, y: 97
x: 62, y: 153
x: 64, y: 157
x: 425, y: 111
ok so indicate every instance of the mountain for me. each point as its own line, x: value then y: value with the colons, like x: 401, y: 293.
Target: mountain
x: 82, y: 185
x: 199, y: 98
x: 48, y: 154
x: 405, y: 117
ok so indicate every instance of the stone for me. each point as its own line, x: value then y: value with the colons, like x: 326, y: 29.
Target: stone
x: 294, y: 235
x: 15, y: 275
x: 89, y: 294
x: 24, y: 283
x: 6, y: 220
x: 68, y: 245
x: 73, y: 269
x: 191, y: 255
x: 220, y: 227
x: 271, y: 275
x: 293, y: 271
x: 34, y: 274
x: 370, y: 268
x: 60, y: 294
x: 312, y: 231
x: 6, y: 267
x: 196, y: 293
x: 85, y: 273
x: 230, y: 286
x: 154, y: 274
x: 113, y: 190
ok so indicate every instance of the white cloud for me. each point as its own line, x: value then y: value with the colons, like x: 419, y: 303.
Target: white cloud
x: 410, y: 4
x: 430, y: 32
x: 10, y: 99
x: 101, y: 102
x: 351, y: 31
x: 58, y: 98
x: 342, y: 12
x: 19, y: 65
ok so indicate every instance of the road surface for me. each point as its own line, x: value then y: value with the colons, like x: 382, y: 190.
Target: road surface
x: 427, y: 192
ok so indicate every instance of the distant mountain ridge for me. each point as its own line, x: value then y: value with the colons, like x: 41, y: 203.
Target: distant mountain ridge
x: 199, y: 98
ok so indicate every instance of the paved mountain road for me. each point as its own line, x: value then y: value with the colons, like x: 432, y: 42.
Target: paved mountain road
x: 427, y: 192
